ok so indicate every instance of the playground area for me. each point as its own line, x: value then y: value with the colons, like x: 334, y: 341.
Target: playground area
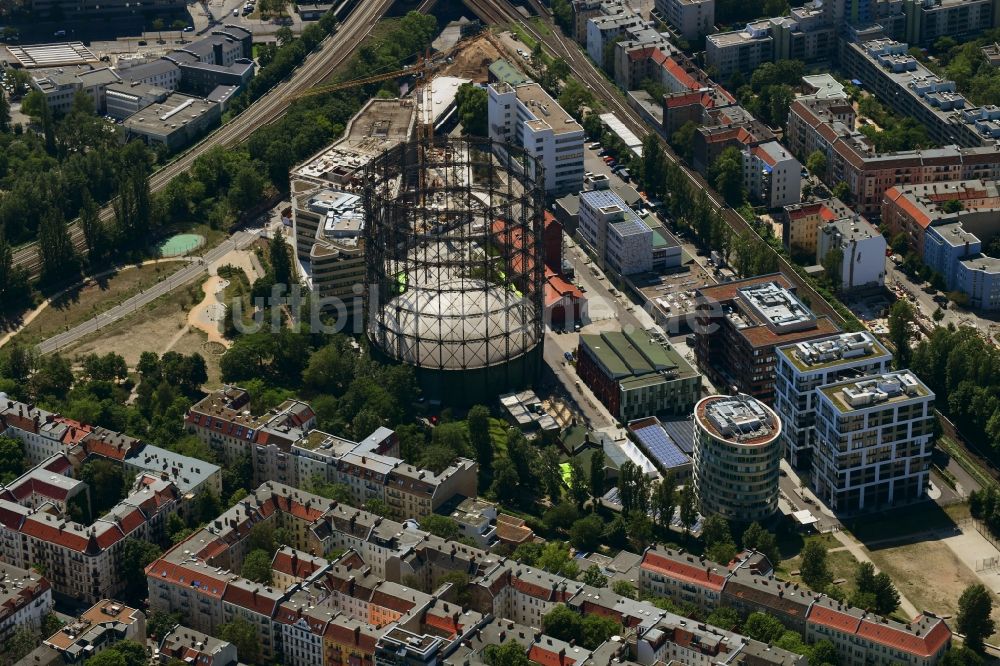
x: 181, y: 244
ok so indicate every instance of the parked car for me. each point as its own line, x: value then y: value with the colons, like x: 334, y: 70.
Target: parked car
x: 59, y: 33
x: 189, y: 28
x: 141, y: 42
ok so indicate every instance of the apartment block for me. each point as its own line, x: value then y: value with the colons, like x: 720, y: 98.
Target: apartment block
x: 584, y: 10
x: 805, y: 366
x: 635, y: 376
x: 96, y: 629
x: 888, y: 70
x: 801, y: 224
x: 529, y: 118
x: 851, y: 159
x: 874, y: 439
x: 771, y: 175
x: 691, y: 19
x: 962, y: 20
x: 740, y: 324
x: 948, y: 224
x: 739, y: 51
x: 284, y: 446
x: 25, y: 599
x: 83, y: 561
x: 384, y: 603
x: 861, y: 249
x: 196, y: 647
x: 604, y: 30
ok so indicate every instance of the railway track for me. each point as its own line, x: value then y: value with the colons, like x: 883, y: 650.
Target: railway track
x: 607, y: 92
x: 318, y: 65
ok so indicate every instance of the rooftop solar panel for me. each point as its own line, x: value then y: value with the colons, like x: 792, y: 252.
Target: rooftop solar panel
x: 682, y: 432
x: 661, y: 446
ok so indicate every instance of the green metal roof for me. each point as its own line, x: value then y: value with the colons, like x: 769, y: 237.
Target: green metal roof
x: 605, y: 354
x: 507, y: 73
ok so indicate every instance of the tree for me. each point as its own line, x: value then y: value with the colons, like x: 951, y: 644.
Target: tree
x: 106, y: 483
x: 595, y: 630
x: 757, y: 538
x: 592, y: 576
x: 12, y: 461
x: 587, y: 532
x: 823, y: 652
x: 900, y: 318
x: 639, y: 529
x: 723, y: 618
x: 763, y: 627
x: 158, y: 25
x: 633, y: 487
x: 137, y: 554
x: 816, y: 163
x: 555, y: 559
x: 281, y: 263
x: 726, y: 174
x: 93, y: 229
x: 597, y: 473
x: 257, y: 567
x: 20, y: 643
x: 242, y: 634
x: 664, y: 500
x: 563, y: 623
x: 814, y: 568
x: 509, y: 653
x: 960, y: 656
x: 109, y: 657
x: 688, y: 509
x: 623, y: 588
x: 682, y: 140
x: 974, y: 609
x: 478, y: 421
x: 833, y: 266
x: 472, y: 103
x: 441, y: 526
x: 55, y: 248
x: 561, y: 516
x: 4, y: 114
x: 579, y: 483
x: 841, y: 191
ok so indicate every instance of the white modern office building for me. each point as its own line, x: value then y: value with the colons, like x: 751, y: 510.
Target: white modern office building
x: 804, y: 366
x: 528, y: 117
x: 874, y: 438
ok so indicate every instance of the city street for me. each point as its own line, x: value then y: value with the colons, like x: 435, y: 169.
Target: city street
x: 926, y: 305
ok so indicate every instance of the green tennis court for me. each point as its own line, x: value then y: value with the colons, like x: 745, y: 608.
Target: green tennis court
x: 181, y: 244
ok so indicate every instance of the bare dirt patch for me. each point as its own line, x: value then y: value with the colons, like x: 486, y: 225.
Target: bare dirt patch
x: 473, y: 61
x: 99, y: 295
x: 928, y: 573
x: 147, y: 330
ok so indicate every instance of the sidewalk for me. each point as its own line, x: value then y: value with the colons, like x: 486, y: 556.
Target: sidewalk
x: 861, y: 555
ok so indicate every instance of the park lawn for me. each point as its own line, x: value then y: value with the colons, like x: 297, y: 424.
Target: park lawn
x: 841, y: 563
x: 83, y: 303
x: 498, y: 433
x: 149, y: 329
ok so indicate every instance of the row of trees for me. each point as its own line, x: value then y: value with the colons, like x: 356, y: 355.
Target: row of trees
x: 689, y: 206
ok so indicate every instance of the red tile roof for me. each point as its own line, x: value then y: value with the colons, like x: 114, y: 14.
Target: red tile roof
x: 690, y: 572
x: 833, y: 619
x: 545, y: 657
x: 900, y: 639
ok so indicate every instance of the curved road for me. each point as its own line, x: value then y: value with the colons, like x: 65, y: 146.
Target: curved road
x: 318, y: 65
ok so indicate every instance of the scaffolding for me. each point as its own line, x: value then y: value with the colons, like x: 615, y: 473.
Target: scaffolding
x: 454, y: 261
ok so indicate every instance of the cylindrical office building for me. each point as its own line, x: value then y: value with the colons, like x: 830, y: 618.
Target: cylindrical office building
x: 737, y: 454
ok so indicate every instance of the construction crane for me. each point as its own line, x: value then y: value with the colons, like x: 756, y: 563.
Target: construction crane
x: 425, y: 66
